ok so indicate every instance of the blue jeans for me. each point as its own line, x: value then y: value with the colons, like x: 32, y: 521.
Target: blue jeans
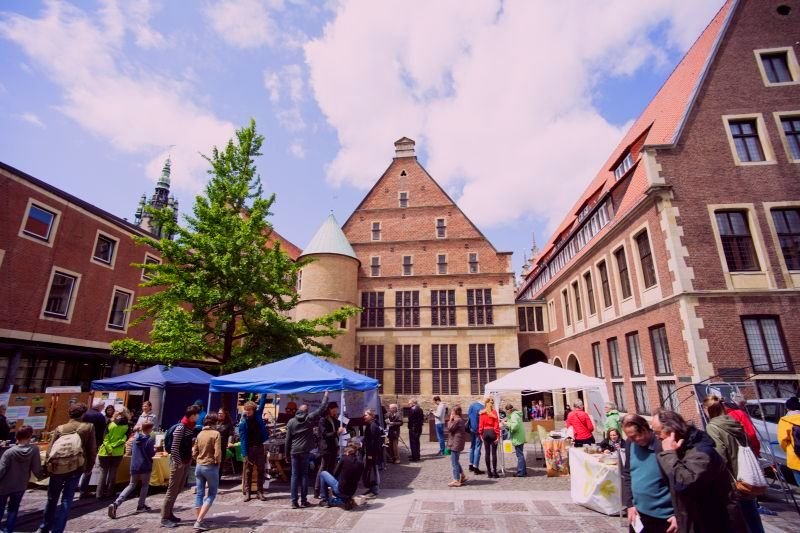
x: 299, y: 480
x: 796, y: 477
x: 206, y: 474
x: 521, y: 469
x: 327, y: 480
x: 475, y: 450
x: 457, y: 470
x: 440, y: 436
x: 13, y: 500
x: 749, y: 508
x: 61, y: 486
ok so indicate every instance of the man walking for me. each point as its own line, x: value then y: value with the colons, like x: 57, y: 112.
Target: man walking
x: 373, y: 448
x: 473, y: 417
x: 416, y: 419
x: 516, y: 430
x: 299, y: 443
x: 394, y: 421
x: 71, y: 453
x: 97, y: 419
x: 252, y: 434
x: 329, y: 430
x: 180, y: 460
x: 438, y: 412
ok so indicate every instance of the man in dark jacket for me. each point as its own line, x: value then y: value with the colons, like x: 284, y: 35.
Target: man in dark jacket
x: 344, y: 480
x: 299, y: 443
x: 394, y: 421
x: 252, y: 434
x: 329, y: 429
x: 697, y: 476
x: 16, y: 467
x: 142, y: 453
x: 373, y: 449
x: 180, y: 460
x: 416, y: 418
x: 97, y: 419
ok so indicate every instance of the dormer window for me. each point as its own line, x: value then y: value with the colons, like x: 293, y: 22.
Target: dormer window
x: 623, y: 167
x: 403, y: 198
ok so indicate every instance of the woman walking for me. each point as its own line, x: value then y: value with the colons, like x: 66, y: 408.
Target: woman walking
x: 207, y: 451
x: 489, y: 430
x: 456, y: 436
x: 110, y: 453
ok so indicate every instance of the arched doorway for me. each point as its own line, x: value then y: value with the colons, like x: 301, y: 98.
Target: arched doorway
x: 574, y: 365
x: 528, y: 358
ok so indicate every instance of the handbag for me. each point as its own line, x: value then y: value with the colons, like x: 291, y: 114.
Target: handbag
x: 750, y: 480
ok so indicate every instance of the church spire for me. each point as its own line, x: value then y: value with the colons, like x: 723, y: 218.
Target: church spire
x: 163, y: 181
x: 161, y: 199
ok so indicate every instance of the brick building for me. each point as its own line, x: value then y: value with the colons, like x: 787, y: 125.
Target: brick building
x: 681, y: 260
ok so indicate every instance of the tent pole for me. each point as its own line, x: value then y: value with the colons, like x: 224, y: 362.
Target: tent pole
x: 161, y: 414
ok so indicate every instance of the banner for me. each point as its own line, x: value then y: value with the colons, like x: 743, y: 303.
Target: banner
x: 353, y: 405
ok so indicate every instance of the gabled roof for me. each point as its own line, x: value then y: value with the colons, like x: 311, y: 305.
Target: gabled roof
x: 329, y: 239
x: 291, y: 249
x: 660, y: 124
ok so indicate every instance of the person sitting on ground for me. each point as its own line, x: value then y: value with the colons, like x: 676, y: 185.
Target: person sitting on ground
x: 180, y: 460
x: 489, y: 431
x: 17, y: 465
x: 373, y: 449
x: 142, y: 453
x: 394, y: 421
x: 612, y: 442
x: 252, y: 435
x: 343, y: 482
x: 110, y: 453
x: 300, y: 440
x: 581, y: 423
x: 330, y: 428
x: 456, y: 437
x: 207, y: 452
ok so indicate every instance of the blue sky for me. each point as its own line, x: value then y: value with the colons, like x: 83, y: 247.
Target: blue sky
x: 514, y: 105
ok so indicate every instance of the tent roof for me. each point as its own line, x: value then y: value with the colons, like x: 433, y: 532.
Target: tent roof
x: 542, y: 377
x: 301, y: 373
x: 155, y: 376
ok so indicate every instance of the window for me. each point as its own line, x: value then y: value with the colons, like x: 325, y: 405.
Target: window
x: 791, y: 131
x: 587, y: 280
x: 576, y: 290
x: 443, y: 308
x: 567, y: 311
x: 622, y: 268
x: 776, y: 388
x: 370, y: 361
x: 406, y: 369
x: 375, y: 266
x: 776, y: 67
x: 479, y: 307
x: 640, y: 397
x: 613, y: 355
x: 376, y: 231
x: 441, y: 263
x: 406, y: 310
x: 441, y: 228
x: 343, y: 324
x: 482, y: 367
x: 444, y: 361
x: 299, y: 280
x: 530, y: 319
x: 745, y: 139
x: 635, y: 354
x: 603, y: 269
x: 150, y: 260
x: 737, y: 243
x: 597, y: 356
x: 372, y: 310
x: 104, y: 249
x: 646, y: 259
x: 787, y: 226
x: 473, y: 263
x: 59, y: 297
x: 658, y: 339
x: 408, y: 265
x: 765, y: 344
x: 619, y: 396
x: 403, y: 199
x: 118, y: 317
x: 39, y: 222
x: 667, y: 395
x: 624, y: 165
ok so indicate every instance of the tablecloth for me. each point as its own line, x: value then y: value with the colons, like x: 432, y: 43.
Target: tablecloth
x: 594, y: 484
x: 159, y: 477
x: 556, y: 458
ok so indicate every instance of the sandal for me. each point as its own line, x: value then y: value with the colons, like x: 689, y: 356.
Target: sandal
x: 454, y: 484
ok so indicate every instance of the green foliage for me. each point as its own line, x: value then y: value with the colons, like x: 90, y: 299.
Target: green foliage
x: 224, y: 291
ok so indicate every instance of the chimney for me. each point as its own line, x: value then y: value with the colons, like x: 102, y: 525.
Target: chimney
x: 404, y: 148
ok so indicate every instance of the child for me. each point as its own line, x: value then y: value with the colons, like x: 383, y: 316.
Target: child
x: 16, y: 467
x: 141, y: 467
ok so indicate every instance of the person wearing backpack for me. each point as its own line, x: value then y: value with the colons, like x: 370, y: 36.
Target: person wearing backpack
x: 789, y: 436
x: 71, y: 453
x: 110, y: 453
x: 178, y: 442
x: 16, y: 467
x: 142, y: 453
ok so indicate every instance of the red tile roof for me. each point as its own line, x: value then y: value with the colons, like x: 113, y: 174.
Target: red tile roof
x: 660, y: 124
x: 288, y: 246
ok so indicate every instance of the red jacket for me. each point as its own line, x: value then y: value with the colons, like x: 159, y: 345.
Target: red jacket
x: 581, y: 423
x: 744, y: 419
x: 489, y: 420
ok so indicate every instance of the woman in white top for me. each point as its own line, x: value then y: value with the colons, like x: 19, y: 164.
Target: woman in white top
x: 147, y: 416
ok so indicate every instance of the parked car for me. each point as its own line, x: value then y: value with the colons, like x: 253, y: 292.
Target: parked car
x: 767, y: 429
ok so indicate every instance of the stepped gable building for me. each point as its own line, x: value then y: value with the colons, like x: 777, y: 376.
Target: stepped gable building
x: 681, y: 260
x: 438, y: 299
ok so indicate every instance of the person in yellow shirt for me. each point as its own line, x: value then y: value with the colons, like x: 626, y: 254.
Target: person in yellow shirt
x: 788, y: 425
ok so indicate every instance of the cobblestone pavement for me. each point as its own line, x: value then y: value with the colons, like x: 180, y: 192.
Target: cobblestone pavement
x: 414, y: 498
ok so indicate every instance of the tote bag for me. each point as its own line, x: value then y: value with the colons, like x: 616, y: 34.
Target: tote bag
x: 750, y: 479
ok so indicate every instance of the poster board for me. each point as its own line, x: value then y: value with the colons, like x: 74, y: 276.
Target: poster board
x: 118, y: 399
x: 30, y: 409
x: 60, y: 404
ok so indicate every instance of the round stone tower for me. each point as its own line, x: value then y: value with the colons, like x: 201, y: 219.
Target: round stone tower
x: 328, y: 282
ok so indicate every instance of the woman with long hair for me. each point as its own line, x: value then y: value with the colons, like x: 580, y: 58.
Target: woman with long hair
x: 456, y: 437
x: 489, y: 430
x: 225, y: 428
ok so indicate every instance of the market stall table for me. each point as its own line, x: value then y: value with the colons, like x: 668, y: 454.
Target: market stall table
x: 594, y: 483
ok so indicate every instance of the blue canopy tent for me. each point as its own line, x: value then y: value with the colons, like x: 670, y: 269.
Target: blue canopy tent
x: 182, y: 385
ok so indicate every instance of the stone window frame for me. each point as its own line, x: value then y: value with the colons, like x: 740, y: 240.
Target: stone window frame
x: 400, y: 199
x: 93, y: 258
x: 763, y: 139
x: 551, y: 315
x: 732, y: 278
x: 791, y: 61
x: 577, y: 299
x: 51, y: 237
x: 791, y: 277
x: 403, y: 265
x: 566, y: 311
x: 591, y: 300
x: 477, y: 263
x: 124, y: 328
x: 372, y: 231
x: 374, y: 264
x: 604, y: 259
x: 654, y: 289
x: 73, y: 295
x: 616, y: 273
x: 778, y: 115
x: 445, y: 263
x: 147, y: 256
x: 436, y: 227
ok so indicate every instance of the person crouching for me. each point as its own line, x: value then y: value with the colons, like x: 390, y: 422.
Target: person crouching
x: 343, y: 483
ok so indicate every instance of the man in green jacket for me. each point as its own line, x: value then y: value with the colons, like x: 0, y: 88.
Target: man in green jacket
x: 516, y: 430
x: 612, y: 419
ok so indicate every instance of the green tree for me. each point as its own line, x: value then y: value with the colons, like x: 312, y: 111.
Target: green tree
x: 224, y: 292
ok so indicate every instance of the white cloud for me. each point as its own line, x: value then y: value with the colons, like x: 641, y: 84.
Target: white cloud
x: 31, y: 118
x: 287, y: 85
x: 291, y: 119
x: 499, y: 94
x: 272, y: 82
x: 297, y: 150
x: 243, y: 23
x: 135, y: 110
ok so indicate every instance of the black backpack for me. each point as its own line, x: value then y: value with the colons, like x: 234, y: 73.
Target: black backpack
x: 796, y: 439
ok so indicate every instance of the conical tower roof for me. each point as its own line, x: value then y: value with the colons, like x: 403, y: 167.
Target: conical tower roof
x: 329, y: 239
